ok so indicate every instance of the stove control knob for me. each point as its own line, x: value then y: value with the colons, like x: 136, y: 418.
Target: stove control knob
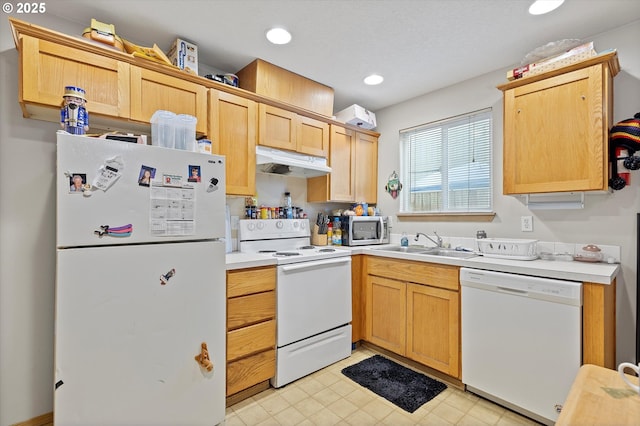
x: 279, y: 224
x: 251, y: 226
x: 260, y: 225
x: 303, y: 225
x: 296, y: 224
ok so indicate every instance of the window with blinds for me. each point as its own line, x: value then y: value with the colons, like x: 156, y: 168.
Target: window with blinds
x: 446, y: 165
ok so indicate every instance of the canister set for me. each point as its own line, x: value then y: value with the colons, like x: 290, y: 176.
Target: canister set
x: 171, y: 130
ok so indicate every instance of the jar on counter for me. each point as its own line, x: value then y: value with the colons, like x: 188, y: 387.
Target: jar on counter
x: 337, y: 233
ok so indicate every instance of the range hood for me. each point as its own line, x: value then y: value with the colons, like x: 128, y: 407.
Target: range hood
x: 275, y: 161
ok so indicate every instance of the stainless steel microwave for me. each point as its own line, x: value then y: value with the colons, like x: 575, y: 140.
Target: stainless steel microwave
x: 365, y: 230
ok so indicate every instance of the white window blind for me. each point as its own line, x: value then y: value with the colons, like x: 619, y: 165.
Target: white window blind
x: 446, y: 165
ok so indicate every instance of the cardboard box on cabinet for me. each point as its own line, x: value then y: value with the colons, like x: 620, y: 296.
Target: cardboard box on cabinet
x: 357, y: 116
x: 184, y: 55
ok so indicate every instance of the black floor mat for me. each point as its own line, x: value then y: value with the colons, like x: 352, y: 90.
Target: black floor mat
x: 404, y: 387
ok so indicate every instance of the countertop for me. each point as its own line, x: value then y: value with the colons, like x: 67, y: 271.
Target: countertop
x: 599, y: 396
x: 237, y: 260
x: 601, y: 273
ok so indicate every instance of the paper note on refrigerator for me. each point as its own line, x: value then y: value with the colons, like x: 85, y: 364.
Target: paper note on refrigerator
x: 172, y: 211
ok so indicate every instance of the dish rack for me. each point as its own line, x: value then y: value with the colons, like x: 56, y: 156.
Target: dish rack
x: 505, y: 248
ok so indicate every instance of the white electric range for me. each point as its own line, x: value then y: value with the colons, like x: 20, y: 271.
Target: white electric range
x: 313, y: 289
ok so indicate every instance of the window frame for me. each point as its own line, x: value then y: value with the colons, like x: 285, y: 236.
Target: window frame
x: 445, y: 211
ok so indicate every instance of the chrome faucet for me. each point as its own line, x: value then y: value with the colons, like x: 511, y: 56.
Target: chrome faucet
x: 438, y: 243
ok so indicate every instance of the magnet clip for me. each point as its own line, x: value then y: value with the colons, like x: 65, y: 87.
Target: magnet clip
x: 119, y: 231
x: 203, y: 358
x: 104, y: 229
x: 164, y: 279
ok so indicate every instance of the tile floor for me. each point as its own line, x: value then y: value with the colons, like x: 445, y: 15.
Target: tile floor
x: 327, y: 397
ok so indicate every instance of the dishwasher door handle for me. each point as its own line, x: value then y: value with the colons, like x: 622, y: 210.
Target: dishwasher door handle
x: 313, y: 264
x: 512, y: 290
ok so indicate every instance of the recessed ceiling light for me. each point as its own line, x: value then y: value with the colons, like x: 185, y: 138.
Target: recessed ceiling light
x: 278, y: 36
x: 540, y: 7
x: 373, y: 79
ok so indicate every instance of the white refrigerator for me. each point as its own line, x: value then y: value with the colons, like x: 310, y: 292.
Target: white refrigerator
x: 140, y: 285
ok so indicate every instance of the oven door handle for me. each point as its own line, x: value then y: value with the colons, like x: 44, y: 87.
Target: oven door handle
x: 315, y: 263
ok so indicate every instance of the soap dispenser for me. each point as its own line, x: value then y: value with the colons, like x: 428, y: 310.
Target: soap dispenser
x: 404, y: 241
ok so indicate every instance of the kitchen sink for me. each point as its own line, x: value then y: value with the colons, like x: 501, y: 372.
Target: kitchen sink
x: 450, y: 253
x: 431, y: 251
x: 410, y: 249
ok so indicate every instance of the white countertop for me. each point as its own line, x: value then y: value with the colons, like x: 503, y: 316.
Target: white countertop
x: 601, y: 273
x: 237, y: 260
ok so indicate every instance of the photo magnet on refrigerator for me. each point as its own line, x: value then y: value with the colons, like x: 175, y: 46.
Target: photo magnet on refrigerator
x: 77, y: 183
x: 194, y: 173
x: 146, y: 175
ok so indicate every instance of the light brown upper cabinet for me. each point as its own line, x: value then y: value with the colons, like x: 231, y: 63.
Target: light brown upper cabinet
x: 273, y: 82
x: 279, y: 128
x: 339, y: 185
x: 366, y: 179
x: 353, y: 158
x: 151, y: 91
x: 233, y: 121
x: 556, y: 128
x: 47, y: 67
x: 313, y: 137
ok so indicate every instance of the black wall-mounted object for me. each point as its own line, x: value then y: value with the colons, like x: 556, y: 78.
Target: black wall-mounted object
x: 625, y: 134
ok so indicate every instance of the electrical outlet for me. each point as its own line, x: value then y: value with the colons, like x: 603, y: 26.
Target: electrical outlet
x: 526, y: 223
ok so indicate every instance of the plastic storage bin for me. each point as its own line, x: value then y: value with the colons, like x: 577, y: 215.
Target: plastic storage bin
x: 186, y: 132
x: 163, y: 131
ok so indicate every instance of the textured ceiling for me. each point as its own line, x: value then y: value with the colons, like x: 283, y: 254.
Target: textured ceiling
x: 417, y: 45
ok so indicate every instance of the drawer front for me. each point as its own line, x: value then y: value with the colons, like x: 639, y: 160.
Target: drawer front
x: 246, y: 310
x: 432, y: 274
x: 249, y: 281
x: 248, y: 340
x: 250, y: 371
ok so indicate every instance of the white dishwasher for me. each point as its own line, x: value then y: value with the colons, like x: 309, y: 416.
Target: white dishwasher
x: 521, y: 340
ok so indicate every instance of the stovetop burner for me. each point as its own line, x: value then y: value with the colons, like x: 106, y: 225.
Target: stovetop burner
x: 326, y: 250
x: 307, y: 247
x: 286, y: 253
x: 267, y: 251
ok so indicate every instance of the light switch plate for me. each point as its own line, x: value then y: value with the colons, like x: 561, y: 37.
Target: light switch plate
x: 526, y: 223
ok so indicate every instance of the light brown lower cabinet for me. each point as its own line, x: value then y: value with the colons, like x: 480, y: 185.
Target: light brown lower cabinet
x: 251, y: 327
x: 433, y: 328
x: 386, y: 305
x: 413, y: 309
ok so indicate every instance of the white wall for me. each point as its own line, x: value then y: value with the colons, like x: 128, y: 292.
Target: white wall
x: 606, y: 219
x: 27, y: 245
